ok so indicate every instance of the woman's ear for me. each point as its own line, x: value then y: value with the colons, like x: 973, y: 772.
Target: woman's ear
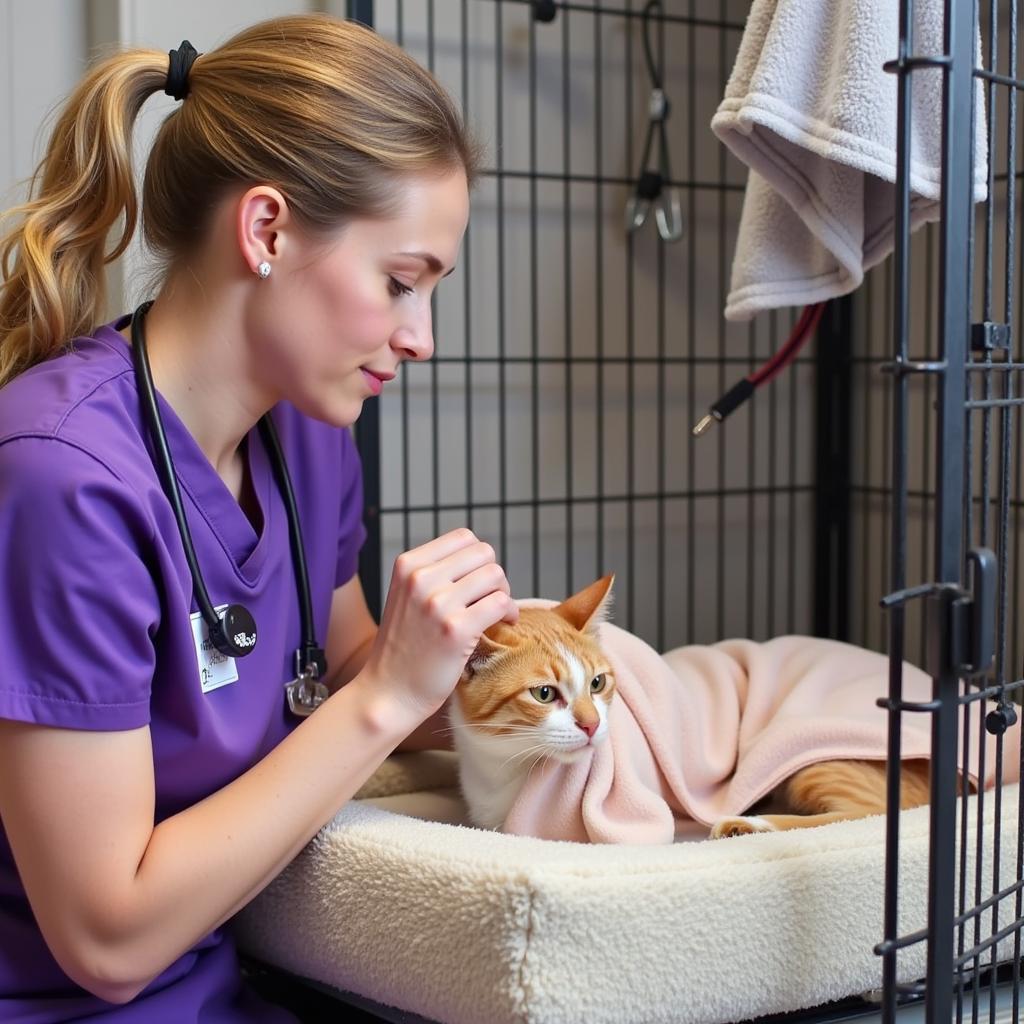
x: 262, y: 215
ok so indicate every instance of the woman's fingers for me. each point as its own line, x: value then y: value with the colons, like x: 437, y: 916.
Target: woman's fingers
x: 438, y: 576
x: 494, y: 607
x: 443, y: 595
x: 443, y: 577
x: 434, y: 551
x: 511, y: 613
x: 477, y: 584
x: 476, y: 601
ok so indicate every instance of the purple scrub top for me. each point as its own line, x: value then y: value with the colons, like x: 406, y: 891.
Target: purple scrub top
x: 95, y: 627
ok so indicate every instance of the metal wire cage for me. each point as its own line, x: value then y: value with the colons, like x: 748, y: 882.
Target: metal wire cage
x: 573, y: 356
x: 954, y: 456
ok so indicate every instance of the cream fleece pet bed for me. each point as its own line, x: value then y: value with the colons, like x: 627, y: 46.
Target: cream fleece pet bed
x: 464, y: 926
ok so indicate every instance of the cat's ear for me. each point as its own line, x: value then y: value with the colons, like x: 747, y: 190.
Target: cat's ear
x: 585, y: 609
x: 486, y: 648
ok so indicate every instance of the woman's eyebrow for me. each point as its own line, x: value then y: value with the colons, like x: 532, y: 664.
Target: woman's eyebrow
x: 431, y: 261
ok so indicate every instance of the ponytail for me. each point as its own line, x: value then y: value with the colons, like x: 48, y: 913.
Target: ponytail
x: 331, y: 113
x: 52, y: 263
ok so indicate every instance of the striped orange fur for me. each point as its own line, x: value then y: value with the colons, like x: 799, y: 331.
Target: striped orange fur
x: 831, y: 791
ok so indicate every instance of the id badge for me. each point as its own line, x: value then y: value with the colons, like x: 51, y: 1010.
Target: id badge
x: 215, y: 669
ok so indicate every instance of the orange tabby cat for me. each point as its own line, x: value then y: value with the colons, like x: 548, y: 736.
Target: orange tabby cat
x: 543, y: 688
x: 535, y: 690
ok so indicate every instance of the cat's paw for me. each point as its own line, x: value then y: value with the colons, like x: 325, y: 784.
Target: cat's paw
x: 726, y: 827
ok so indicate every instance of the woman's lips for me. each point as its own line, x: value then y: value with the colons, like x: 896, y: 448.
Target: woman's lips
x: 374, y: 382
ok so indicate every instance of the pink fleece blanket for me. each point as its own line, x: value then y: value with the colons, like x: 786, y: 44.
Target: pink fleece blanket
x: 704, y: 732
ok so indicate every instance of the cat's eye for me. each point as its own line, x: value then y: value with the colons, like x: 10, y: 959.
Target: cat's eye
x: 544, y: 694
x: 597, y: 684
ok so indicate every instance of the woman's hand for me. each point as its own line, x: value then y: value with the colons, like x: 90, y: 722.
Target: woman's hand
x: 442, y: 596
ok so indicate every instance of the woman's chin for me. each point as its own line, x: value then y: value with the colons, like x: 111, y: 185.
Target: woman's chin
x: 336, y: 410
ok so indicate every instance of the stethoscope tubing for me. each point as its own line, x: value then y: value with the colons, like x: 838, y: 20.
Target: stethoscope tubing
x: 310, y: 660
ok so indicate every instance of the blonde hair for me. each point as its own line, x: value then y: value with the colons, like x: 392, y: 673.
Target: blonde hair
x: 325, y: 110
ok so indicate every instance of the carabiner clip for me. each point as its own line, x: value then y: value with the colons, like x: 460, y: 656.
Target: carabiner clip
x: 654, y: 187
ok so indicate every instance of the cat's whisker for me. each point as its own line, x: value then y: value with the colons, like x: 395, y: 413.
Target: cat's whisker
x: 544, y: 756
x: 516, y: 737
x: 497, y: 726
x: 536, y: 761
x: 526, y: 753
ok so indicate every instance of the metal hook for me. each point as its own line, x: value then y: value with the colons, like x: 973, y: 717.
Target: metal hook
x: 637, y: 209
x: 653, y: 186
x: 669, y: 216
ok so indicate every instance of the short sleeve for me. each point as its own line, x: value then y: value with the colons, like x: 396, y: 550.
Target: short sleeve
x: 78, y: 604
x: 351, y: 530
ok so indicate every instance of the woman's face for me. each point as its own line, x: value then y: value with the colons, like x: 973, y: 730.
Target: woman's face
x: 338, y: 319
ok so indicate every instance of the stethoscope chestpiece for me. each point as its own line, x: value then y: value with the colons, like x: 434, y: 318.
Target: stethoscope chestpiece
x: 235, y: 632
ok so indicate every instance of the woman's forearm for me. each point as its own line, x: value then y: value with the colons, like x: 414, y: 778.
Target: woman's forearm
x: 207, y: 862
x: 433, y: 734
x: 352, y: 667
x: 139, y: 897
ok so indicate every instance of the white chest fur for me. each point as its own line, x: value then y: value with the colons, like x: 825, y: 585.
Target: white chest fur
x: 491, y: 772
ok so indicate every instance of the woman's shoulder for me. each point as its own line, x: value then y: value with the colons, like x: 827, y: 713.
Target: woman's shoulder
x: 71, y: 437
x: 81, y: 396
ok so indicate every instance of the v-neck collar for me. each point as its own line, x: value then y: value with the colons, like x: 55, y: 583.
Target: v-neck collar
x: 204, y: 487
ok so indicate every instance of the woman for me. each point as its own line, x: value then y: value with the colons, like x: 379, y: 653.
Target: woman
x: 306, y: 198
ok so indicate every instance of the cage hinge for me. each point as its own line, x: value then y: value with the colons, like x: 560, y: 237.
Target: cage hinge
x: 961, y: 622
x: 988, y: 336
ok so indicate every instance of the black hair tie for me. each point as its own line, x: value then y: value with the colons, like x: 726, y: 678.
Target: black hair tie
x: 182, y: 60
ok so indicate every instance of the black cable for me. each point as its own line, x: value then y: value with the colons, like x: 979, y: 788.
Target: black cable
x: 235, y: 635
x: 652, y: 67
x: 746, y: 386
x: 309, y: 653
x: 164, y: 463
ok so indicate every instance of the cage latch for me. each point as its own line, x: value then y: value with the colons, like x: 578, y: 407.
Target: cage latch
x: 988, y: 336
x: 961, y: 622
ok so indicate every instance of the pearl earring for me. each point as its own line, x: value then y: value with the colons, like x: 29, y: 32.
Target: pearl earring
x: 263, y: 270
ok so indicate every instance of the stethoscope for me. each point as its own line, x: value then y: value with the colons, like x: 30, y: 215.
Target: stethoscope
x: 234, y: 633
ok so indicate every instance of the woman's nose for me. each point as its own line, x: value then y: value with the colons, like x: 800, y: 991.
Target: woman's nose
x: 415, y: 340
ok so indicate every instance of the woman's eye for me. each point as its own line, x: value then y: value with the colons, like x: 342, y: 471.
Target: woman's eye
x: 397, y: 288
x: 544, y: 694
x: 597, y: 683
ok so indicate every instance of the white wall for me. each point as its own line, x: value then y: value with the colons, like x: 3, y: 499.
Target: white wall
x: 43, y: 52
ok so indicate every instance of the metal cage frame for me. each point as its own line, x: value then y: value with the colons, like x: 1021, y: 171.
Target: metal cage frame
x: 967, y: 600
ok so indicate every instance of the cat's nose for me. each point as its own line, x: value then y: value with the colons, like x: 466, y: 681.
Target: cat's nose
x: 588, y: 727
